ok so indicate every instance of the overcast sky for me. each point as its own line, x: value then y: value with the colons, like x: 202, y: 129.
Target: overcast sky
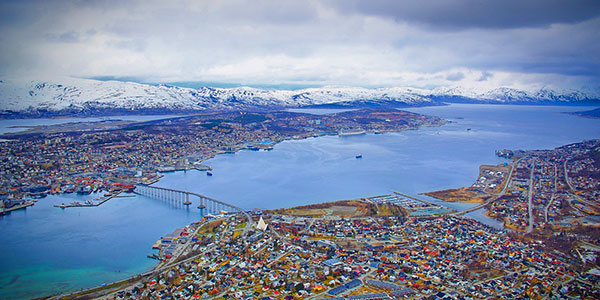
x: 373, y: 43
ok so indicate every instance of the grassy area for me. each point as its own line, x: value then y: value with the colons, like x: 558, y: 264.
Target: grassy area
x: 459, y: 195
x: 210, y: 226
x: 237, y: 233
x: 344, y: 208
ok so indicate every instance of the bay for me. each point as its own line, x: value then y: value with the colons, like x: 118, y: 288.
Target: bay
x: 16, y: 125
x: 48, y: 250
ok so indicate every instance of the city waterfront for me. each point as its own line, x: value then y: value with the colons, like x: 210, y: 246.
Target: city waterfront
x: 48, y: 250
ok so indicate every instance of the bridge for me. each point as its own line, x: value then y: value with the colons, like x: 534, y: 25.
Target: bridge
x: 185, y: 198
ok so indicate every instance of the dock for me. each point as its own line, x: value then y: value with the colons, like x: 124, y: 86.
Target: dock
x: 416, y: 199
x: 102, y: 201
x: 17, y: 207
x: 429, y: 209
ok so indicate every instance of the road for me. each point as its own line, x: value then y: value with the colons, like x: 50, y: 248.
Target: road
x: 460, y: 213
x: 573, y: 194
x: 553, y: 195
x: 567, y: 176
x: 530, y: 198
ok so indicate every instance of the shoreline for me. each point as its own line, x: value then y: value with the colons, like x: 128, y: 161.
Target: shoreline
x: 487, y: 213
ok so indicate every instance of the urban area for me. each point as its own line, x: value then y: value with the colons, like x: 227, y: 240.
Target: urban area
x: 355, y: 250
x: 392, y: 246
x: 111, y: 156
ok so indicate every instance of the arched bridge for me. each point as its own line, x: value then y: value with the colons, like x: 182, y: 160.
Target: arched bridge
x: 178, y: 197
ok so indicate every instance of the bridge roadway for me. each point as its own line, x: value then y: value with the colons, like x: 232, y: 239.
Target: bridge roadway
x: 177, y: 195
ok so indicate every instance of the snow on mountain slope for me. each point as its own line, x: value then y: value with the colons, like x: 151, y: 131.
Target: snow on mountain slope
x: 511, y: 95
x: 74, y: 94
x: 80, y: 95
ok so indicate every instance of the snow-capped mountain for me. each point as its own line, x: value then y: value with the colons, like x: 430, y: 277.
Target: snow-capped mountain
x: 72, y: 95
x: 511, y: 95
x: 84, y: 96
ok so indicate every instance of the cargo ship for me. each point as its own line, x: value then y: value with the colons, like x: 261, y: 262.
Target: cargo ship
x: 351, y: 132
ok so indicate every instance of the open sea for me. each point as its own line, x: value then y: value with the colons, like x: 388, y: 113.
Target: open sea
x: 47, y: 250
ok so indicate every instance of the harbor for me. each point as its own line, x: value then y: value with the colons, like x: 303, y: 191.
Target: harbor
x: 414, y: 206
x: 95, y: 202
x: 24, y: 205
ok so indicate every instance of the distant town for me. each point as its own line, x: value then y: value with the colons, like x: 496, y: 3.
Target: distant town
x: 110, y: 156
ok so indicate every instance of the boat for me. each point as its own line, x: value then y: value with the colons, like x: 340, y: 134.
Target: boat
x: 351, y: 132
x: 107, y: 194
x: 468, y: 129
x: 358, y: 155
x: 209, y: 174
x: 84, y: 190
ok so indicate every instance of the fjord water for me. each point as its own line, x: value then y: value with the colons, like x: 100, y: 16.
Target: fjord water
x: 46, y: 250
x: 415, y: 161
x: 18, y: 125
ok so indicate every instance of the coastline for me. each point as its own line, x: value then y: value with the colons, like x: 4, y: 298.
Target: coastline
x: 278, y: 142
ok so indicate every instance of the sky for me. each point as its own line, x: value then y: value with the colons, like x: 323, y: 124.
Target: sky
x: 374, y: 43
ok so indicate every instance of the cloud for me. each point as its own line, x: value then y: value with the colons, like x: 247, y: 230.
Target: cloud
x: 65, y: 37
x: 356, y: 43
x: 485, y: 75
x: 462, y: 14
x: 455, y: 76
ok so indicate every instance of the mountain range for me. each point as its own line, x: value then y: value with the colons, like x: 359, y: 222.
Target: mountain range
x: 74, y: 96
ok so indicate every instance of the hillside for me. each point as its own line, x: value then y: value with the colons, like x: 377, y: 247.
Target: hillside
x: 73, y: 96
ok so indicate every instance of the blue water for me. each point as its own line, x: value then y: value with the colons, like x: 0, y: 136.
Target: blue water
x: 47, y: 250
x: 14, y: 125
x: 325, y: 168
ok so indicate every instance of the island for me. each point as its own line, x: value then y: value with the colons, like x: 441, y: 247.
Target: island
x: 111, y: 156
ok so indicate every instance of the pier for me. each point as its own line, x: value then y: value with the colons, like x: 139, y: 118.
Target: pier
x: 16, y: 207
x: 91, y: 203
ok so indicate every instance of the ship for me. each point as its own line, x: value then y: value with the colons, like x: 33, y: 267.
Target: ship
x: 209, y: 174
x: 359, y: 155
x: 352, y: 132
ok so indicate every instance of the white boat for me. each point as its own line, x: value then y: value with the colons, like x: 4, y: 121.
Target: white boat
x: 351, y: 132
